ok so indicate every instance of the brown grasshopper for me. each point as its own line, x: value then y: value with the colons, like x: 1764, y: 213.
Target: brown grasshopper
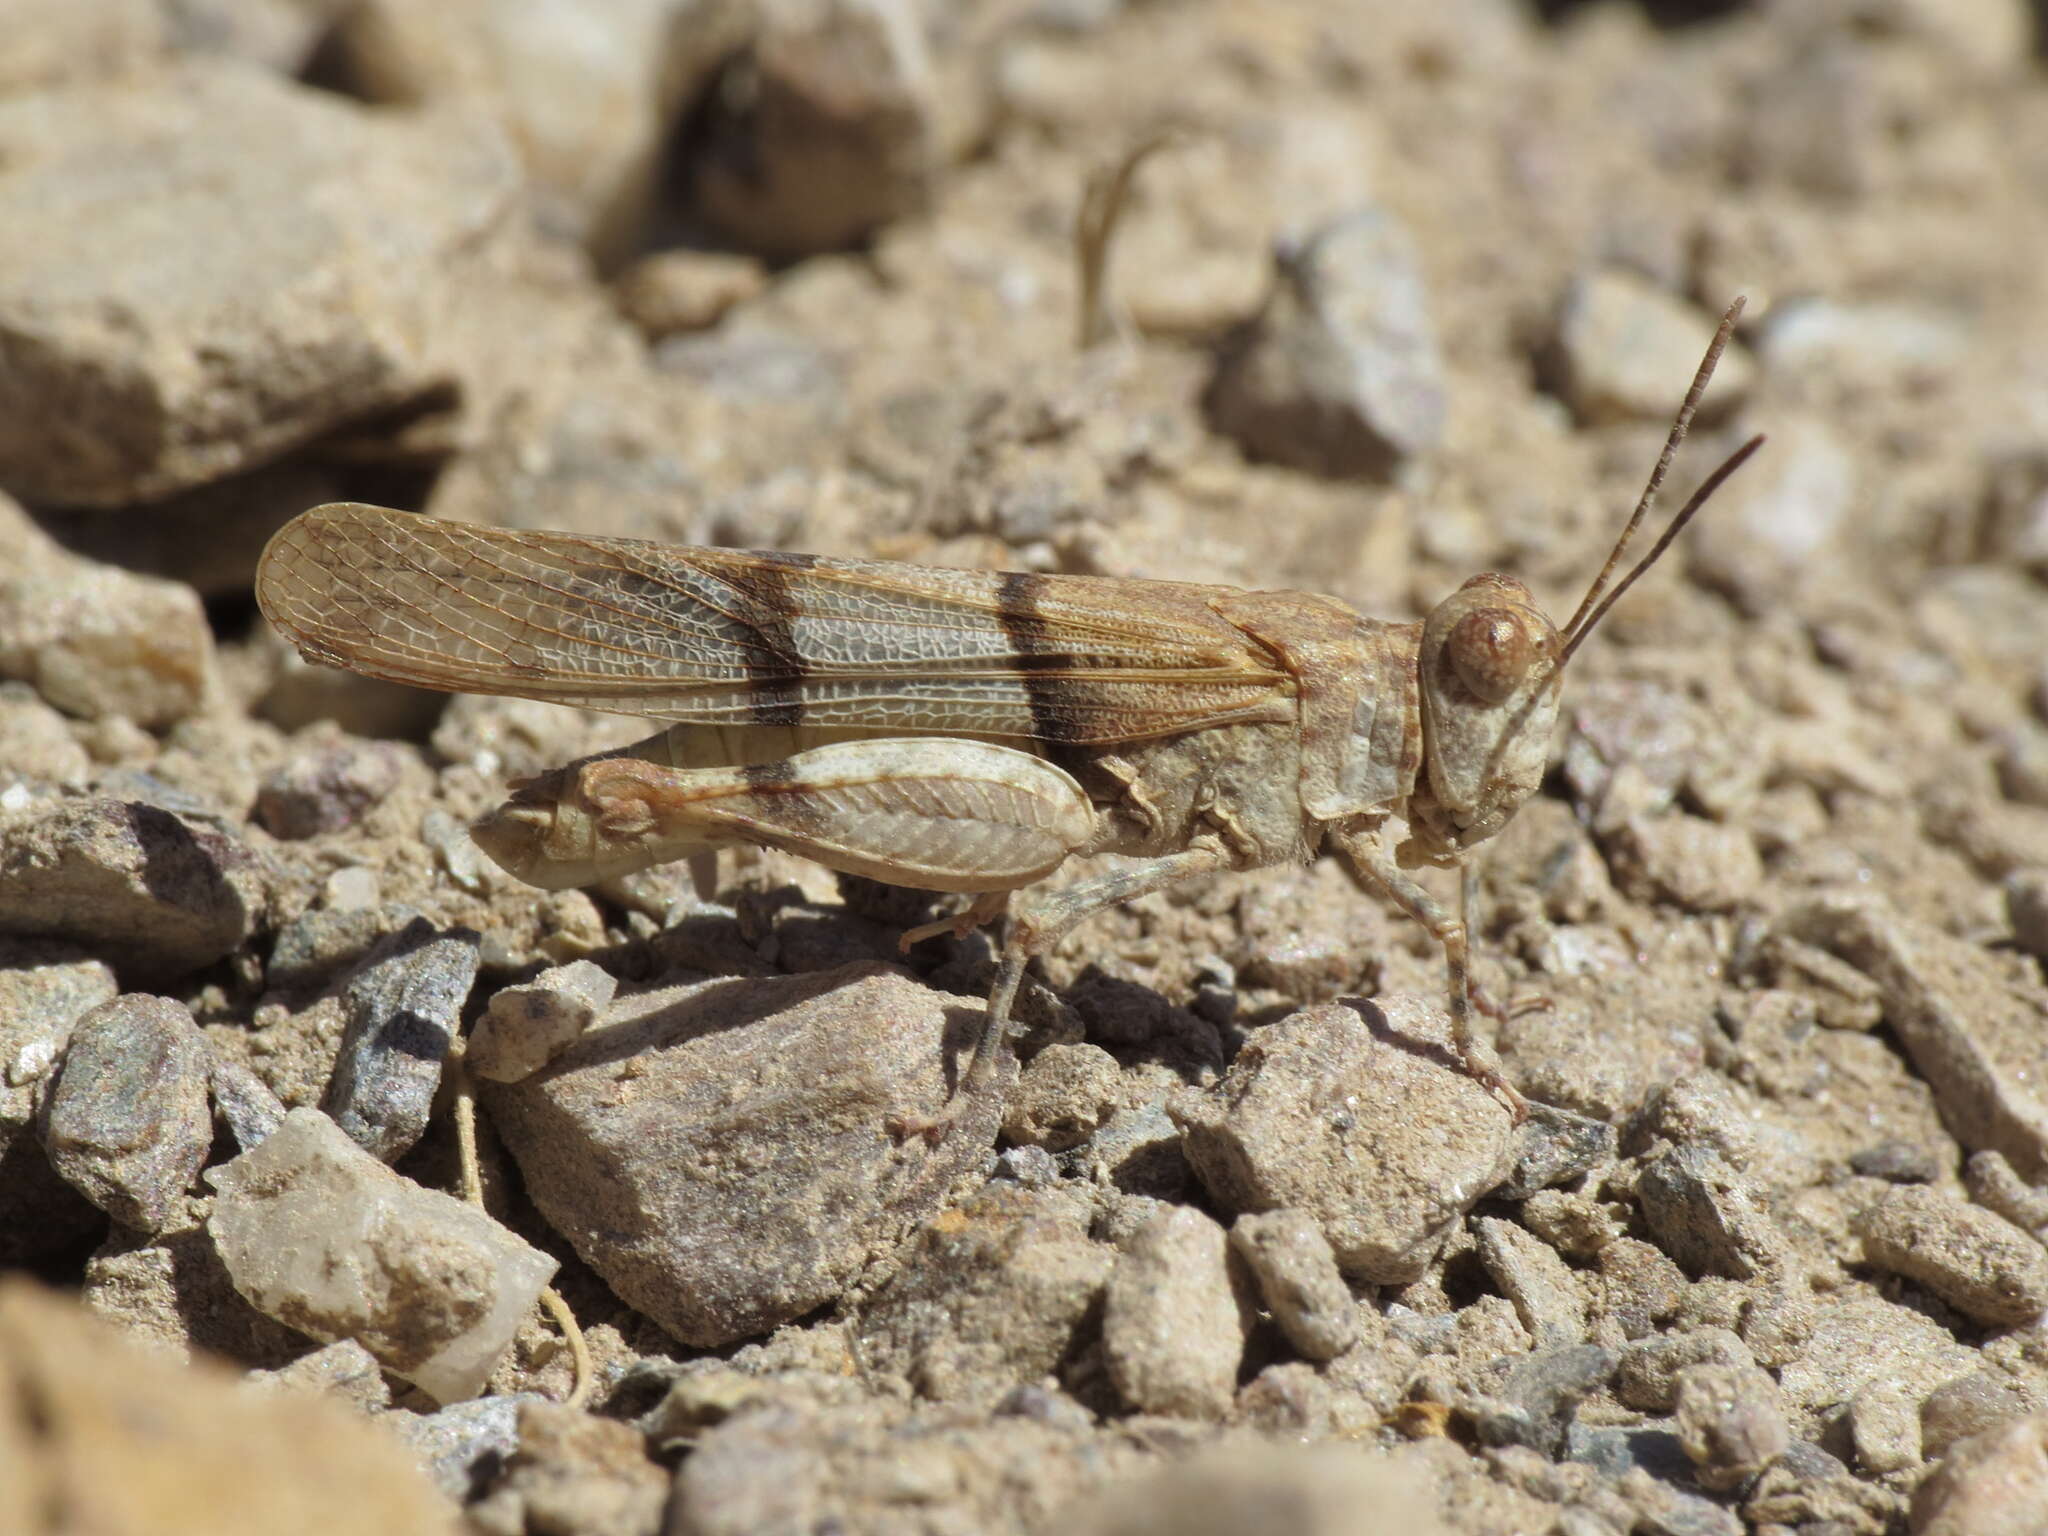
x: 969, y: 731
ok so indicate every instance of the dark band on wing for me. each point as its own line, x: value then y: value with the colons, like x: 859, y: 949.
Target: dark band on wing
x: 772, y: 612
x: 1017, y: 606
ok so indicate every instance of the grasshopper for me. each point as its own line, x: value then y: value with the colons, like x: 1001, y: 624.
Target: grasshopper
x: 971, y: 731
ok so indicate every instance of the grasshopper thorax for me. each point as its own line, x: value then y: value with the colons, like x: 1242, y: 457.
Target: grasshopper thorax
x: 1490, y: 679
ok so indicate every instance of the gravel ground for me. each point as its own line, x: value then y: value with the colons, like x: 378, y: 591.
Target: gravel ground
x: 1397, y: 295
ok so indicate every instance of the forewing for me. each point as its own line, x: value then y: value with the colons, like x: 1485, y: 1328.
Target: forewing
x: 726, y: 637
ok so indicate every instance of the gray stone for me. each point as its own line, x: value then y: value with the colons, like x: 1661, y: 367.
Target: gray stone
x: 1730, y: 1423
x: 1138, y: 1152
x: 343, y: 1370
x: 1624, y: 347
x: 527, y: 1026
x: 1692, y: 863
x: 737, y: 1175
x: 1546, y: 1294
x: 403, y: 1007
x: 990, y: 1295
x: 824, y: 129
x: 244, y: 1101
x: 1175, y: 1316
x: 1976, y: 1261
x: 153, y: 892
x: 465, y: 1444
x: 1064, y: 1096
x: 94, y: 640
x: 127, y: 1122
x: 1340, y: 374
x: 1647, y: 1379
x: 1554, y: 1147
x: 147, y: 361
x: 1355, y: 1114
x: 1993, y: 1484
x: 318, y: 1234
x: 1707, y: 1216
x: 1541, y: 1393
x: 1896, y: 1162
x: 1298, y: 1277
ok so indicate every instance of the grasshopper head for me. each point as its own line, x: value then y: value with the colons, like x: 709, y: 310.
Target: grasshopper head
x: 546, y: 836
x: 1490, y: 682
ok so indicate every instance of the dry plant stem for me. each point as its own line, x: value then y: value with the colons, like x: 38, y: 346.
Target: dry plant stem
x: 473, y: 1192
x: 1102, y: 206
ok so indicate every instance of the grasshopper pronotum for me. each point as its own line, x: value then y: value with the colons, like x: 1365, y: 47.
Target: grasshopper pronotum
x: 969, y: 731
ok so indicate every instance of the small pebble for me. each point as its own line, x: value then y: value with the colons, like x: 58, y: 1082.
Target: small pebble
x: 1066, y: 1094
x: 1993, y: 1484
x: 1650, y: 1367
x: 1730, y: 1422
x: 1298, y: 1277
x: 527, y: 1026
x: 1708, y: 1217
x: 1546, y: 1294
x: 1174, y: 1318
x: 1624, y: 347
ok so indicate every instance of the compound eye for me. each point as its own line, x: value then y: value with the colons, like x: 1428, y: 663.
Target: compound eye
x: 1491, y: 652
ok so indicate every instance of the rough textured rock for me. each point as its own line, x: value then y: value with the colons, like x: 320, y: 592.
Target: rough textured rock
x: 529, y: 1025
x: 403, y: 1007
x: 320, y: 1235
x: 1708, y: 1216
x: 94, y: 640
x: 1340, y: 374
x: 717, y: 1152
x: 143, y: 361
x: 153, y: 892
x: 127, y: 1122
x: 1976, y: 1261
x: 574, y: 1471
x: 1729, y: 1422
x: 991, y: 1295
x: 1175, y: 1316
x: 1065, y: 1095
x: 128, y: 1445
x: 1353, y: 1114
x: 1298, y: 1278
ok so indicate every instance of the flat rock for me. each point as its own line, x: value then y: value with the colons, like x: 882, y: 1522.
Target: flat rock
x: 1340, y: 374
x: 94, y: 640
x: 1708, y: 1216
x: 126, y: 1443
x: 717, y: 1151
x: 1972, y: 1034
x: 318, y: 1234
x: 1356, y: 1114
x: 1175, y: 1316
x: 151, y: 891
x: 1730, y: 1423
x: 146, y: 361
x: 127, y: 1123
x: 403, y: 1007
x: 1547, y: 1296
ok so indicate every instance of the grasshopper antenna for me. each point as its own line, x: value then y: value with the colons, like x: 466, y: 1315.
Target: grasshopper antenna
x: 1102, y: 205
x: 1593, y: 608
